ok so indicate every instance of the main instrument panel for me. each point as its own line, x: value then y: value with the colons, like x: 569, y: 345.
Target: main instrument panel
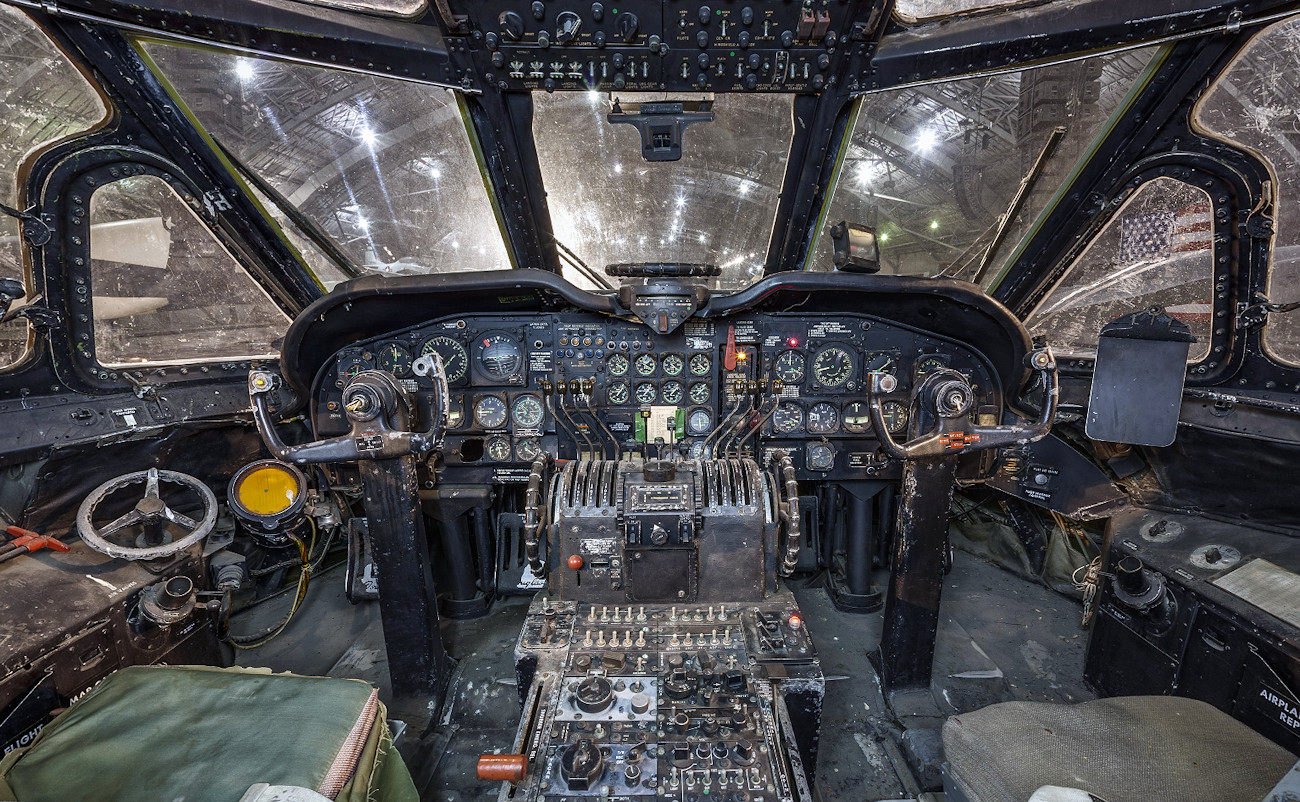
x: 583, y: 383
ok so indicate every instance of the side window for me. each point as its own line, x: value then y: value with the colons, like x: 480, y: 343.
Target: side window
x: 1157, y: 250
x: 44, y: 99
x: 164, y: 288
x: 1253, y: 104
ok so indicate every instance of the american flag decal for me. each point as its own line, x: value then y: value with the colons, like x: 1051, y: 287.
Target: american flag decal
x: 1155, y: 235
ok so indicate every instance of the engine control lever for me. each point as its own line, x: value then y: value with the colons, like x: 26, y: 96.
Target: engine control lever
x: 951, y: 400
x: 378, y: 409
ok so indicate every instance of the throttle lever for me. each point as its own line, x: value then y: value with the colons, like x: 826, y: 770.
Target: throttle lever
x: 378, y: 409
x: 953, y: 399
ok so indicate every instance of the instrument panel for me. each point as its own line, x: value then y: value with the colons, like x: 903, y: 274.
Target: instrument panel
x: 583, y: 382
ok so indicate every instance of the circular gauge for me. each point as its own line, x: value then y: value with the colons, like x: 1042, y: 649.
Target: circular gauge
x: 454, y: 359
x: 895, y: 416
x: 618, y: 364
x: 673, y: 392
x: 699, y: 422
x: 527, y: 412
x: 455, y: 412
x: 700, y: 393
x: 396, y: 359
x: 497, y: 448
x: 881, y: 363
x: 673, y: 364
x: 700, y: 364
x: 823, y: 418
x: 930, y: 364
x: 350, y: 366
x: 819, y: 456
x: 833, y: 366
x: 787, y: 418
x: 857, y: 418
x: 527, y: 448
x: 646, y: 393
x: 498, y: 356
x: 645, y: 364
x: 490, y: 412
x: 617, y: 392
x: 789, y: 367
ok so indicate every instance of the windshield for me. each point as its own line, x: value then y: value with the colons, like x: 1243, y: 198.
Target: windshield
x: 384, y: 167
x: 935, y: 168
x: 715, y: 205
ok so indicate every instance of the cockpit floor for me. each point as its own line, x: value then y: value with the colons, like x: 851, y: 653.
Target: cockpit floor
x: 1001, y: 638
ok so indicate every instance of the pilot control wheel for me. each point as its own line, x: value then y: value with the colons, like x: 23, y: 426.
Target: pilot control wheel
x: 150, y: 529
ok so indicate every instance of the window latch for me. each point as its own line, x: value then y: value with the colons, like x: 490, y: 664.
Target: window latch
x: 39, y: 317
x: 35, y: 229
x: 1256, y: 314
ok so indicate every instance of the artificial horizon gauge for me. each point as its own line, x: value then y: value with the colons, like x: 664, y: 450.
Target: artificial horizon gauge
x: 672, y: 392
x: 499, y: 356
x: 396, y: 359
x: 673, y: 364
x: 490, y: 412
x: 497, y: 448
x: 832, y: 366
x: 527, y: 412
x: 857, y: 418
x: 455, y: 360
x: 789, y: 367
x: 700, y: 364
x: 645, y: 365
x: 618, y: 364
x: 787, y: 418
x: 700, y: 393
x: 823, y: 418
x: 617, y: 392
x: 527, y: 448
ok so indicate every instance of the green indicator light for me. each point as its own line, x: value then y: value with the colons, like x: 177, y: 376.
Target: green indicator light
x: 732, y: 54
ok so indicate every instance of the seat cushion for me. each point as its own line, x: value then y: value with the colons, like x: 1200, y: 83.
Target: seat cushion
x: 1125, y: 749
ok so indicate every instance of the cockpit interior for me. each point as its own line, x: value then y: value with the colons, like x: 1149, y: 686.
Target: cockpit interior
x: 629, y: 401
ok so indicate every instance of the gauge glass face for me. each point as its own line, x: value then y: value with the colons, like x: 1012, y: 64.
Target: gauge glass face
x: 499, y: 356
x: 618, y: 364
x: 455, y: 413
x: 820, y: 457
x: 673, y: 364
x: 895, y: 416
x: 645, y: 365
x: 646, y: 393
x: 700, y: 364
x: 787, y: 418
x: 857, y: 418
x: 700, y: 393
x: 396, y: 359
x: 672, y: 392
x: 455, y: 361
x: 833, y: 366
x: 930, y: 364
x: 881, y: 363
x: 699, y: 422
x: 823, y: 418
x: 351, y: 366
x: 527, y: 411
x: 498, y: 448
x: 617, y: 392
x: 789, y: 367
x: 527, y: 448
x: 490, y: 412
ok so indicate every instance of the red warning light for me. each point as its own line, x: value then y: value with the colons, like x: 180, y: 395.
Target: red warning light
x: 793, y: 342
x: 796, y: 621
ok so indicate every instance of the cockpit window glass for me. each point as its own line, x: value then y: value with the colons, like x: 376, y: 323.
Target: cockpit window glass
x: 715, y: 205
x: 1255, y: 103
x: 163, y: 287
x: 1156, y: 251
x: 934, y: 168
x: 385, y: 167
x: 921, y: 10
x: 397, y: 8
x: 43, y: 99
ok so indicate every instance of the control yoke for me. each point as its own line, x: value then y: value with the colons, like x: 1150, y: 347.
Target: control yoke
x: 950, y: 398
x: 378, y: 408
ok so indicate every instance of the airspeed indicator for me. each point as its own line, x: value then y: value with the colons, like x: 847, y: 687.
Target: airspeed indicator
x: 833, y: 366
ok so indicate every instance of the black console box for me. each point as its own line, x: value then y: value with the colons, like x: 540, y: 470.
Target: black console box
x: 1216, y: 617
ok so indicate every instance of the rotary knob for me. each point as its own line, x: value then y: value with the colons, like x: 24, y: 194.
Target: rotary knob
x: 582, y: 764
x: 594, y: 695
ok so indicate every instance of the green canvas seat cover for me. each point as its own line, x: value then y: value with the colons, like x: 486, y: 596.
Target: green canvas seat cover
x: 201, y: 734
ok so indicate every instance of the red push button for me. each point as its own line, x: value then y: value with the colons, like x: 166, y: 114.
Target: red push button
x: 575, y: 561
